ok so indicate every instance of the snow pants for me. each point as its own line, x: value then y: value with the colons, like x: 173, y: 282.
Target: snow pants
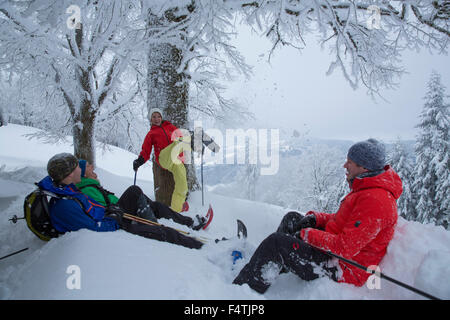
x: 169, y: 161
x: 282, y: 252
x: 135, y: 202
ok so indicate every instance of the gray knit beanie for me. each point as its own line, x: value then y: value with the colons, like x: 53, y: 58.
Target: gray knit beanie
x: 369, y: 154
x: 61, y: 165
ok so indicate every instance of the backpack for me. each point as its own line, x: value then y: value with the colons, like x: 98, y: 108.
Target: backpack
x: 37, y: 214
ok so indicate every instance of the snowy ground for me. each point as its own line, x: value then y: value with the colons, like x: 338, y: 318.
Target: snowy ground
x: 118, y: 265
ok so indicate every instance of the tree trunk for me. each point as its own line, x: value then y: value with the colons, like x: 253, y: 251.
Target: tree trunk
x: 167, y: 90
x: 84, y: 122
x: 83, y: 133
x: 83, y: 112
x: 2, y: 118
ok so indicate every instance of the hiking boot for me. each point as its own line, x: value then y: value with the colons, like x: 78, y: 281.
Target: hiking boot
x: 203, y: 222
x: 199, y: 223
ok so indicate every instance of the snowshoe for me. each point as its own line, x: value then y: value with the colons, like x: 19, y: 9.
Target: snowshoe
x: 203, y: 222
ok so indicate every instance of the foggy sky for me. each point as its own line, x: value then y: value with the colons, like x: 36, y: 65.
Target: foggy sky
x: 293, y: 91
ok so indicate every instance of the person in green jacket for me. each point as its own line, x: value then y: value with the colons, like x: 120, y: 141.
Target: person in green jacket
x: 90, y: 185
x: 132, y: 200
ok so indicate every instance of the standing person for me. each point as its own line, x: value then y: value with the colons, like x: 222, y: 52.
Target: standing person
x: 133, y: 200
x: 360, y: 230
x: 79, y: 211
x: 164, y: 137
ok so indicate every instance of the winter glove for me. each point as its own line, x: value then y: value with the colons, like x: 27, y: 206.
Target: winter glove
x: 115, y: 212
x: 308, y: 221
x: 138, y: 162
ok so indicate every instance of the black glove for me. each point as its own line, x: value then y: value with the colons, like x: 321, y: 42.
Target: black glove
x: 308, y: 221
x: 138, y: 162
x: 115, y: 212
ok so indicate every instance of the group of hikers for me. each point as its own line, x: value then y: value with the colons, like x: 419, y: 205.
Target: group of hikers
x: 360, y: 230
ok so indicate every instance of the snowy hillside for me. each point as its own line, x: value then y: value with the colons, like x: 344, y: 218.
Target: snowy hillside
x: 118, y: 265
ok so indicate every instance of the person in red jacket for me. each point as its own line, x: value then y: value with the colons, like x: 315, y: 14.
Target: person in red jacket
x: 164, y: 137
x: 360, y: 230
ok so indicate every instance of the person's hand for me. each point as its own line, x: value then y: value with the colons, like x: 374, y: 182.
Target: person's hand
x: 308, y: 221
x: 115, y: 212
x: 138, y: 162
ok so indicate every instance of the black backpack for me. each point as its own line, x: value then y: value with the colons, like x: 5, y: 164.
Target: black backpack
x: 37, y: 215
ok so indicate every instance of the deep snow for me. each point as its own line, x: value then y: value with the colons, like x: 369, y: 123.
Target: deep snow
x: 118, y: 265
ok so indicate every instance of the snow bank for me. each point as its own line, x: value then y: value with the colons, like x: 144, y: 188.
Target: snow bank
x: 118, y: 265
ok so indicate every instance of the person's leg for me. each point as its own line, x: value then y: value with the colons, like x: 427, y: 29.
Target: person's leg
x: 180, y: 188
x: 285, y: 252
x: 163, y: 211
x: 161, y: 233
x: 289, y: 223
x: 177, y: 168
x: 134, y: 201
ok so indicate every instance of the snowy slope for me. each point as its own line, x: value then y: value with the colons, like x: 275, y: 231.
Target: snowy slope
x: 118, y: 265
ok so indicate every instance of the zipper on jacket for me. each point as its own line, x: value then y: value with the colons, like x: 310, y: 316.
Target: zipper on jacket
x: 168, y: 141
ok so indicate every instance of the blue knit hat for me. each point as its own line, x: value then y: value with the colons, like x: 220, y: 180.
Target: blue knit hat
x: 82, y: 164
x: 370, y: 154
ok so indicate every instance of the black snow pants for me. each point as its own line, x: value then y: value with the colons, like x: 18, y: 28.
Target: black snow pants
x: 134, y: 201
x: 287, y: 253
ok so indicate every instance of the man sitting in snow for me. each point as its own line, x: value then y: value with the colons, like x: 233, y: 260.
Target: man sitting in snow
x: 360, y: 231
x: 81, y: 211
x: 132, y: 200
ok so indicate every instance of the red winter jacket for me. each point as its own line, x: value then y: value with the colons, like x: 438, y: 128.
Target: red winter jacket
x: 363, y: 226
x: 159, y: 137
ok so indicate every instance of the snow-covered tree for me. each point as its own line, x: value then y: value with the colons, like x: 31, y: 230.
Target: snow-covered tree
x: 401, y: 162
x: 313, y: 180
x: 94, y: 56
x: 79, y: 51
x: 249, y: 174
x: 365, y: 37
x: 432, y: 170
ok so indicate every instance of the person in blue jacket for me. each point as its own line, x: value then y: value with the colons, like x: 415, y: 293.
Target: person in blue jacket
x: 79, y: 211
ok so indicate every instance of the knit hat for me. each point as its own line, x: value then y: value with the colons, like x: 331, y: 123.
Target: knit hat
x: 61, y: 165
x: 152, y: 111
x: 369, y: 154
x: 82, y: 164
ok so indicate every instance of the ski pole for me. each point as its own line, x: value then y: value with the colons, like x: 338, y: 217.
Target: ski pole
x: 381, y: 275
x: 11, y: 254
x: 135, y: 174
x: 201, y: 169
x: 152, y: 223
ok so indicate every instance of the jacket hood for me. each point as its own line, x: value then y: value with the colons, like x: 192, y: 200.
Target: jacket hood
x: 388, y: 180
x: 47, y: 184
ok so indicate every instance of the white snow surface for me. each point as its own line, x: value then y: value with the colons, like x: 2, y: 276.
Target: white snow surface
x: 119, y: 265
